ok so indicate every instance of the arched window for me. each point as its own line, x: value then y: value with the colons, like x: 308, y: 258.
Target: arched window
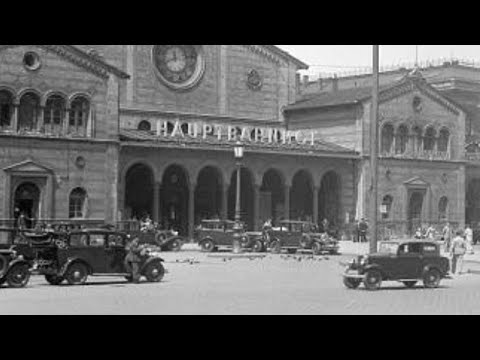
x: 443, y: 208
x: 78, y: 204
x: 417, y: 133
x: 387, y: 207
x: 402, y: 140
x: 79, y: 112
x: 443, y: 140
x: 6, y: 109
x: 145, y: 126
x: 54, y: 111
x: 184, y: 128
x: 28, y: 112
x: 429, y: 141
x: 387, y: 139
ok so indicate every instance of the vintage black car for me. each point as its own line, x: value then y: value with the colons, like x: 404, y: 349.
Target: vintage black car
x: 212, y: 235
x: 15, y: 258
x: 167, y: 240
x: 295, y: 235
x: 407, y: 262
x: 91, y: 253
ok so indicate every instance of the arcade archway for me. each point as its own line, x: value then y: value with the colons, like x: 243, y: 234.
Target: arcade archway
x: 272, y: 197
x: 208, y: 194
x: 329, y: 199
x: 247, y: 197
x: 139, y: 183
x: 301, y: 197
x: 174, y: 195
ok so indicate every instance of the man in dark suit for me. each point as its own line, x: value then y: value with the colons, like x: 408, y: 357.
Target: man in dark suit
x: 133, y: 258
x: 362, y: 230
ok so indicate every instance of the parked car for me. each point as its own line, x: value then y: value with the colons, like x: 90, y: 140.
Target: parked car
x: 407, y: 262
x: 167, y: 240
x: 15, y: 258
x: 214, y: 234
x: 295, y: 235
x: 254, y: 241
x: 91, y: 253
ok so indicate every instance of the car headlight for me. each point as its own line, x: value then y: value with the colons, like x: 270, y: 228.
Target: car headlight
x: 364, y: 261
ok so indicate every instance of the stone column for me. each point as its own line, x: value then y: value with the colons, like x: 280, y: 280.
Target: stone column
x: 316, y: 190
x: 256, y: 207
x: 224, y: 210
x: 287, y: 201
x: 65, y: 122
x: 156, y: 202
x: 15, y: 118
x: 40, y: 120
x: 191, y: 211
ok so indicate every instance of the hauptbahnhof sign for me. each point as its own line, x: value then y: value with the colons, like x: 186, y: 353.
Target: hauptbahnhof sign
x: 230, y: 133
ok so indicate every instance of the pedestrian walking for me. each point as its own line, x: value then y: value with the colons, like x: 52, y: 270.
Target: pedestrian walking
x: 458, y: 250
x: 133, y: 259
x: 469, y: 239
x: 447, y: 236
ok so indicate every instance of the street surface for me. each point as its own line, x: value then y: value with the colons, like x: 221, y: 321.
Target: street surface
x: 273, y: 285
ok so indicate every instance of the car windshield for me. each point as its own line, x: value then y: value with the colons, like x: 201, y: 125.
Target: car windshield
x: 388, y: 248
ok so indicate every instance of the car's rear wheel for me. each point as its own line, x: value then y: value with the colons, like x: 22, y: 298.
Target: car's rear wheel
x: 54, y: 279
x: 275, y: 247
x: 154, y: 272
x: 372, y: 280
x: 207, y: 245
x: 432, y: 278
x: 316, y: 248
x: 257, y: 246
x: 18, y: 276
x: 176, y: 245
x: 352, y: 283
x: 77, y: 274
x: 410, y: 284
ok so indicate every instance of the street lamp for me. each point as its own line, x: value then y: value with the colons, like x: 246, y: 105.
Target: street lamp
x: 239, y: 152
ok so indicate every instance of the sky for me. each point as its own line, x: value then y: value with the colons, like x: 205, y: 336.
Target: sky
x: 353, y: 58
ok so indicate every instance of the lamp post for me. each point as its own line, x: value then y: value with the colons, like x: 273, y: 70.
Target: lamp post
x: 239, y: 152
x: 374, y: 151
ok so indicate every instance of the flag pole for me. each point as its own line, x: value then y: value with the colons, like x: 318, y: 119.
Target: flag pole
x: 374, y: 151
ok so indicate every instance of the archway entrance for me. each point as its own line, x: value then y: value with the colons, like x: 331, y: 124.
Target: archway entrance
x: 27, y: 201
x: 272, y: 197
x: 139, y: 184
x: 174, y: 195
x: 301, y: 197
x: 208, y: 194
x: 246, y: 201
x: 415, y: 207
x: 329, y: 199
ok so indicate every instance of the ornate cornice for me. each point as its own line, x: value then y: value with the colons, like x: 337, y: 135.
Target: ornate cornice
x: 80, y: 58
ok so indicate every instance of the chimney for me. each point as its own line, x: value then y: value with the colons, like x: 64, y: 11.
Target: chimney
x: 335, y: 83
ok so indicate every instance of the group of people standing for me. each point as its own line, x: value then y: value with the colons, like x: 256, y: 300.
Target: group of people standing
x: 457, y: 245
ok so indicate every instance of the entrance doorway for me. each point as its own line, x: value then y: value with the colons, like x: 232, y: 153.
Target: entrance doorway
x: 415, y: 207
x: 27, y: 201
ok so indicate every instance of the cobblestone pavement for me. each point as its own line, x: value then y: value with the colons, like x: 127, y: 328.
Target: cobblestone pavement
x: 198, y: 284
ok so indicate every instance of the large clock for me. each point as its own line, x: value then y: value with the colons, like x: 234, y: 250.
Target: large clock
x: 179, y: 66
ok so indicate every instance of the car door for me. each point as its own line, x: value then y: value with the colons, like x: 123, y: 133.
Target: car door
x: 115, y: 254
x: 294, y: 235
x: 409, y: 261
x: 97, y: 243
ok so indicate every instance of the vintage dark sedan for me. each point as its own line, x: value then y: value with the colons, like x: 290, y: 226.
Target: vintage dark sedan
x: 295, y: 235
x: 91, y: 253
x: 15, y: 258
x: 212, y: 235
x: 407, y: 262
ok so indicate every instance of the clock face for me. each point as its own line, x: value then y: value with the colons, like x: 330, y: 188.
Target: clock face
x: 178, y: 66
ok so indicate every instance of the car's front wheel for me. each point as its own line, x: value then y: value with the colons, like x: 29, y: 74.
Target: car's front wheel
x: 352, y: 283
x: 154, y: 272
x: 275, y: 247
x: 176, y: 245
x: 316, y: 248
x: 18, y: 276
x: 257, y: 246
x: 54, y: 279
x: 373, y: 280
x: 207, y: 246
x: 410, y: 284
x: 432, y: 278
x: 77, y: 274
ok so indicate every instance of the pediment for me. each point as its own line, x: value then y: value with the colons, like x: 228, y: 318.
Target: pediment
x: 80, y: 58
x: 28, y: 166
x: 416, y: 182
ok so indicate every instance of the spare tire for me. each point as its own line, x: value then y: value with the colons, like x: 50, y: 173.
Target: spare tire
x: 3, y: 265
